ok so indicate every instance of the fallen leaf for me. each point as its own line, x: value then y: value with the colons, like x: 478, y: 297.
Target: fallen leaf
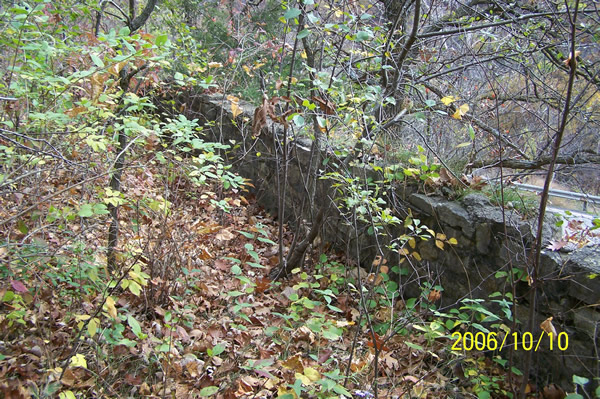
x: 434, y: 295
x: 294, y: 363
x: 548, y: 327
x: 553, y: 391
x: 225, y: 235
x: 557, y: 245
x: 18, y: 286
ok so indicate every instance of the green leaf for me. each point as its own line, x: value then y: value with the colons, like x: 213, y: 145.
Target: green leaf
x: 483, y: 395
x: 22, y: 227
x: 342, y: 391
x: 292, y: 13
x: 297, y: 387
x: 97, y: 61
x: 298, y: 120
x: 335, y: 308
x: 217, y: 350
x: 266, y: 240
x: 128, y: 343
x: 303, y: 33
x: 254, y: 255
x: 209, y: 391
x: 363, y: 35
x: 471, y: 132
x: 413, y: 346
x: 312, y: 18
x: 333, y: 333
x: 420, y: 116
x: 580, y: 380
x: 86, y: 210
x: 100, y: 209
x: 246, y: 234
x: 161, y: 40
x: 135, y: 326
x: 135, y: 288
x: 321, y: 121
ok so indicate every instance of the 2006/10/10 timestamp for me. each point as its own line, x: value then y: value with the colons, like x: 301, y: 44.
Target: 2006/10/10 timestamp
x: 488, y: 341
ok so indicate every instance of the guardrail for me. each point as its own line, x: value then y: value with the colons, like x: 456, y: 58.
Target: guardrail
x: 585, y: 198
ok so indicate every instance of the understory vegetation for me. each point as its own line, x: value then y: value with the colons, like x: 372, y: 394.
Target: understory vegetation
x: 136, y: 261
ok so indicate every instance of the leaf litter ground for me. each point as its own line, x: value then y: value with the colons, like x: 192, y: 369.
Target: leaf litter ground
x: 191, y: 312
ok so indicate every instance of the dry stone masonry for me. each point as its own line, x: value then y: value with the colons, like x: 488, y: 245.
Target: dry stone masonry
x: 489, y: 241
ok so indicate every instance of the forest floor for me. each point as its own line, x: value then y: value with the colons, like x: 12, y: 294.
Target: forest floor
x: 191, y: 312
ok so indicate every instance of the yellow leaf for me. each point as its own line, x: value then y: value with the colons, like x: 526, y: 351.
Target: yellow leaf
x: 272, y: 383
x: 82, y: 317
x: 439, y: 244
x: 448, y: 100
x: 281, y: 391
x: 440, y: 236
x: 416, y: 256
x: 92, y: 327
x: 305, y: 380
x: 412, y: 243
x: 303, y: 54
x: 215, y: 65
x: 109, y: 306
x: 460, y: 111
x: 235, y: 107
x: 312, y: 374
x: 116, y: 68
x: 78, y: 361
x: 246, y: 69
x: 97, y: 83
x: 67, y: 395
x: 452, y: 241
x: 235, y: 110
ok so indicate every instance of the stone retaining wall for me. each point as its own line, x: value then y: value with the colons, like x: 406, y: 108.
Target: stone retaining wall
x: 489, y: 241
